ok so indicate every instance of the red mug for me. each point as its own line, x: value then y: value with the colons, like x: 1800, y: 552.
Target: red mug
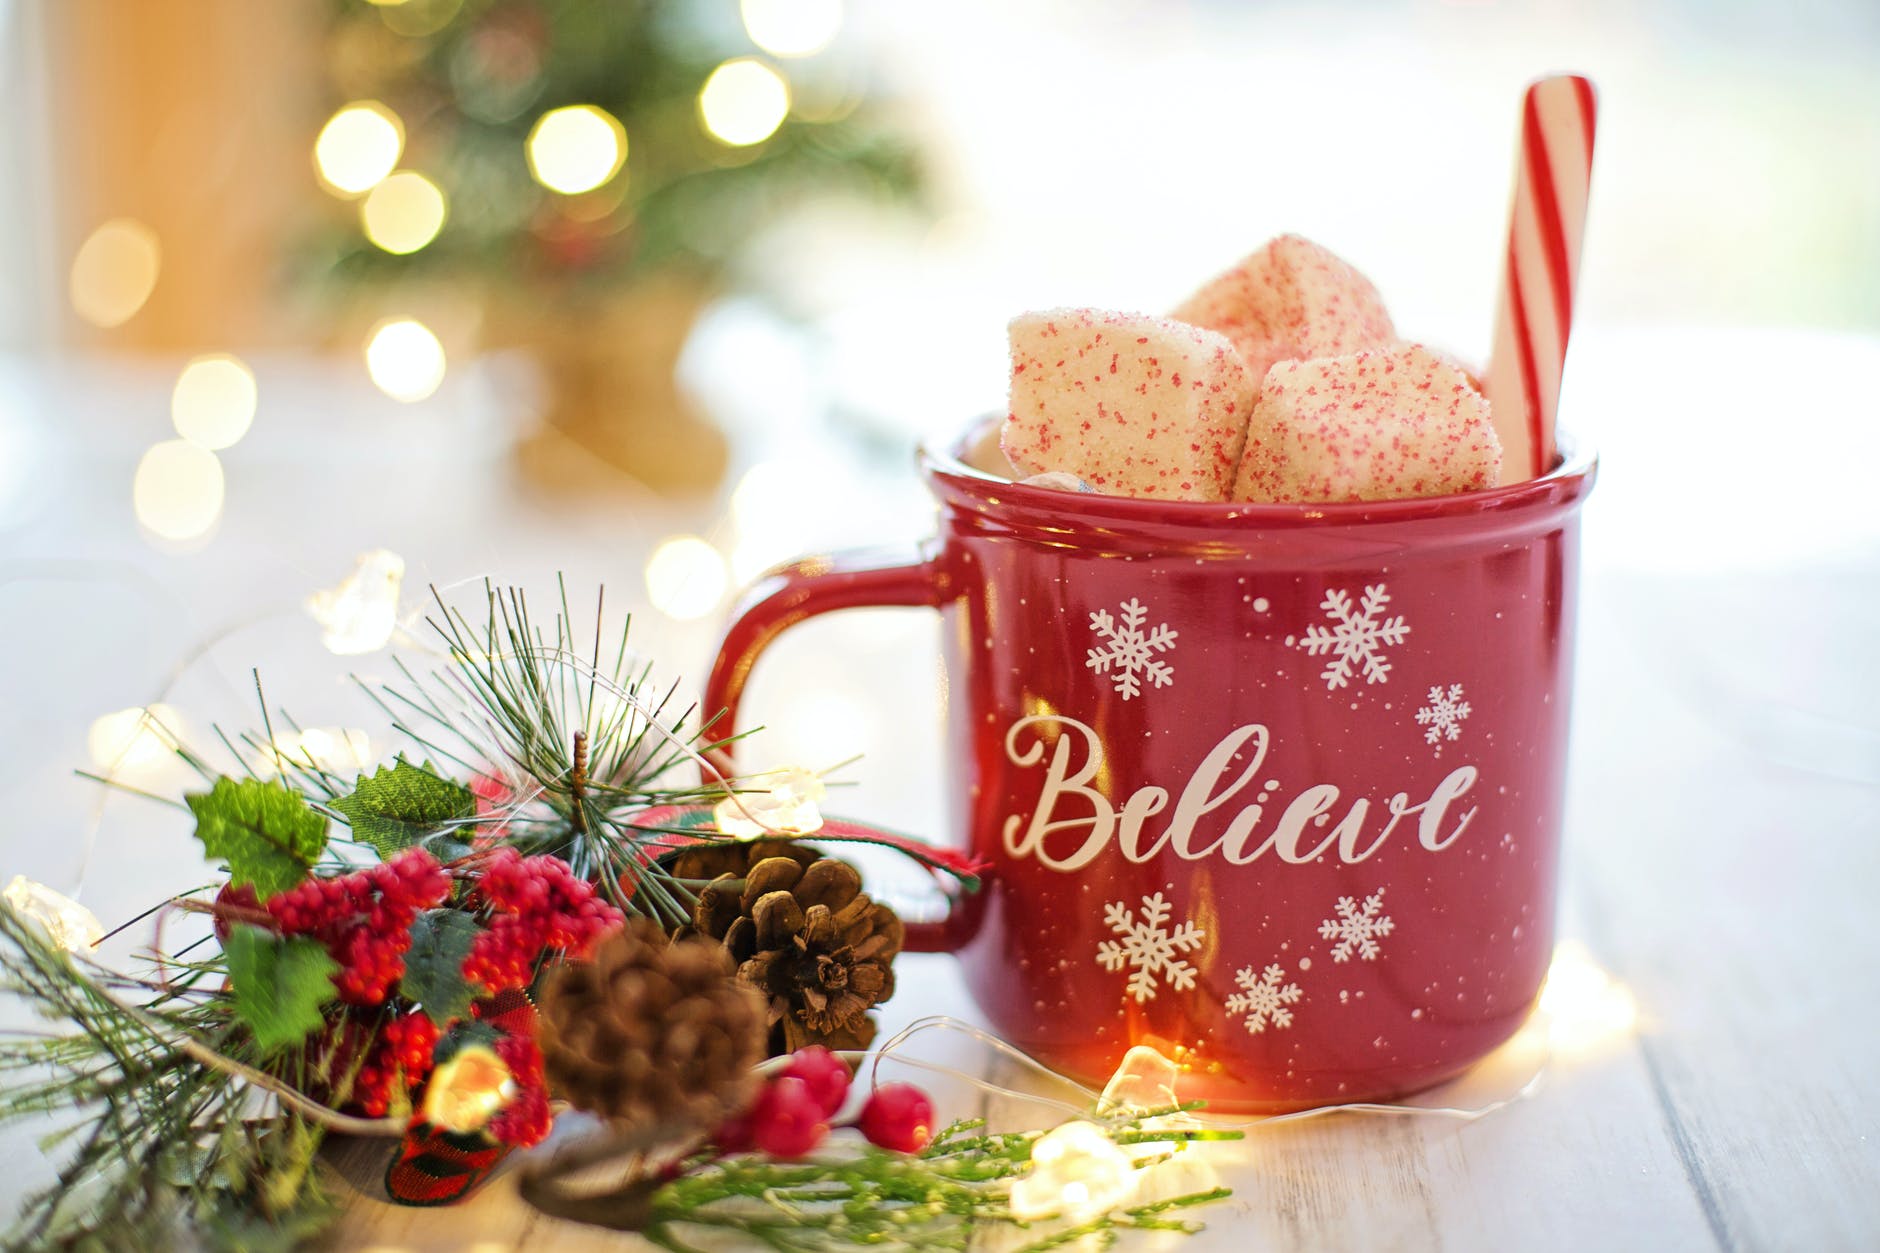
x: 1274, y: 787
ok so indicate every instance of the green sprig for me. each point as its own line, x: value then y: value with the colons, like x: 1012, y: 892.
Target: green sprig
x: 870, y: 1197
x: 163, y: 1139
x: 581, y: 732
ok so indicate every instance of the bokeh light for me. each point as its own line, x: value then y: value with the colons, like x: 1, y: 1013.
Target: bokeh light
x: 339, y: 750
x: 213, y: 403
x: 114, y: 272
x: 576, y: 149
x: 130, y: 740
x: 403, y: 213
x: 405, y: 359
x: 358, y: 147
x: 771, y: 510
x: 743, y: 102
x: 685, y: 577
x: 177, y: 493
x: 791, y: 28
x: 417, y: 18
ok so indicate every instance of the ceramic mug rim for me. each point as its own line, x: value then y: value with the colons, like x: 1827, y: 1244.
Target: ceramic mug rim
x: 942, y: 460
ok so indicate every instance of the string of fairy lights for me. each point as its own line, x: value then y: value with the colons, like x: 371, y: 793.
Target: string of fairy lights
x: 179, y: 486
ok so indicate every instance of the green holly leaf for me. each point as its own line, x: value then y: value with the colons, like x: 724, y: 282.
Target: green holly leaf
x: 440, y: 940
x: 470, y: 1033
x: 280, y: 983
x: 262, y: 829
x: 401, y: 804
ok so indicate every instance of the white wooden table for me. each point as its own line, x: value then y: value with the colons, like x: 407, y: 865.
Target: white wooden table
x: 1724, y: 818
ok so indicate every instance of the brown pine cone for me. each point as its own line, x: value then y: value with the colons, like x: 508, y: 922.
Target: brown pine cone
x: 651, y: 1032
x: 806, y: 937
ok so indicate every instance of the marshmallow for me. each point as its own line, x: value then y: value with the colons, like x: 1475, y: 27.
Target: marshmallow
x: 1291, y: 300
x: 1058, y: 481
x: 982, y: 453
x: 1134, y: 405
x: 1375, y: 425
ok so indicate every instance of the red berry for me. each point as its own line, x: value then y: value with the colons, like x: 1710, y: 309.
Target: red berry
x: 232, y: 897
x: 898, y: 1116
x: 539, y: 905
x: 526, y: 1119
x: 787, y: 1120
x: 825, y: 1073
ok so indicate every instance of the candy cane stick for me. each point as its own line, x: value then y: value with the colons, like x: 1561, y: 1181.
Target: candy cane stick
x: 1535, y: 312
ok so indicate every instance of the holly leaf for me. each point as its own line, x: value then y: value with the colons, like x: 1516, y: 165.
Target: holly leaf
x: 264, y: 830
x: 470, y: 1033
x: 280, y: 983
x: 440, y: 940
x: 401, y: 804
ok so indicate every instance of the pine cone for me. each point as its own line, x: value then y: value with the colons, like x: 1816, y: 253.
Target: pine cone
x: 804, y: 935
x: 651, y: 1032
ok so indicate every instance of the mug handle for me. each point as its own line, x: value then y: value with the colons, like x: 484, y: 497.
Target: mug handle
x: 858, y: 579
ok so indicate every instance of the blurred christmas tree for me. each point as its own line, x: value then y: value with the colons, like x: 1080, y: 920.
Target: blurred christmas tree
x: 587, y: 170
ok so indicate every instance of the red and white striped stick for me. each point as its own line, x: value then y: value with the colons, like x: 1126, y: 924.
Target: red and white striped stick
x: 1535, y: 312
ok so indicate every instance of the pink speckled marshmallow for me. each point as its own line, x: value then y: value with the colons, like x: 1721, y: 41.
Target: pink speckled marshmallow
x: 1291, y: 300
x: 1376, y: 425
x: 1133, y: 405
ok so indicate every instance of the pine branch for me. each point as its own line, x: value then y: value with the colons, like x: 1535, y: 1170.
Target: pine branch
x: 585, y: 741
x: 170, y: 1132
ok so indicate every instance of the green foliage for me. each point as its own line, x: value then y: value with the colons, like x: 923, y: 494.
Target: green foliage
x: 592, y: 742
x: 280, y: 983
x: 944, y: 1197
x: 440, y: 940
x: 401, y: 804
x: 264, y: 830
x: 152, y: 1141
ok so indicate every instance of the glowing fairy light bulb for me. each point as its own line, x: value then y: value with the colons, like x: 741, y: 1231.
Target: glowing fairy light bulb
x: 358, y: 147
x: 576, y: 149
x: 129, y: 740
x: 66, y: 923
x: 468, y: 1090
x: 213, y: 403
x: 178, y: 489
x: 114, y: 272
x: 403, y: 213
x: 791, y: 28
x: 743, y: 102
x: 686, y: 578
x: 405, y: 359
x: 1585, y: 1006
x: 785, y: 802
x: 360, y: 614
x: 1077, y: 1173
x: 1145, y: 1080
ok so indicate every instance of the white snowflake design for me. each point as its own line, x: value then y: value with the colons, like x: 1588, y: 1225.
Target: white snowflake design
x: 1130, y: 650
x: 1357, y: 929
x: 1265, y: 998
x: 1354, y: 638
x: 1443, y: 715
x: 1149, y: 946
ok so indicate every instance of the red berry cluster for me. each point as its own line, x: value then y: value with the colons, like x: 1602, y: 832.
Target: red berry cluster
x: 397, y: 1057
x: 540, y: 905
x: 525, y: 1120
x: 364, y: 919
x: 793, y: 1112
